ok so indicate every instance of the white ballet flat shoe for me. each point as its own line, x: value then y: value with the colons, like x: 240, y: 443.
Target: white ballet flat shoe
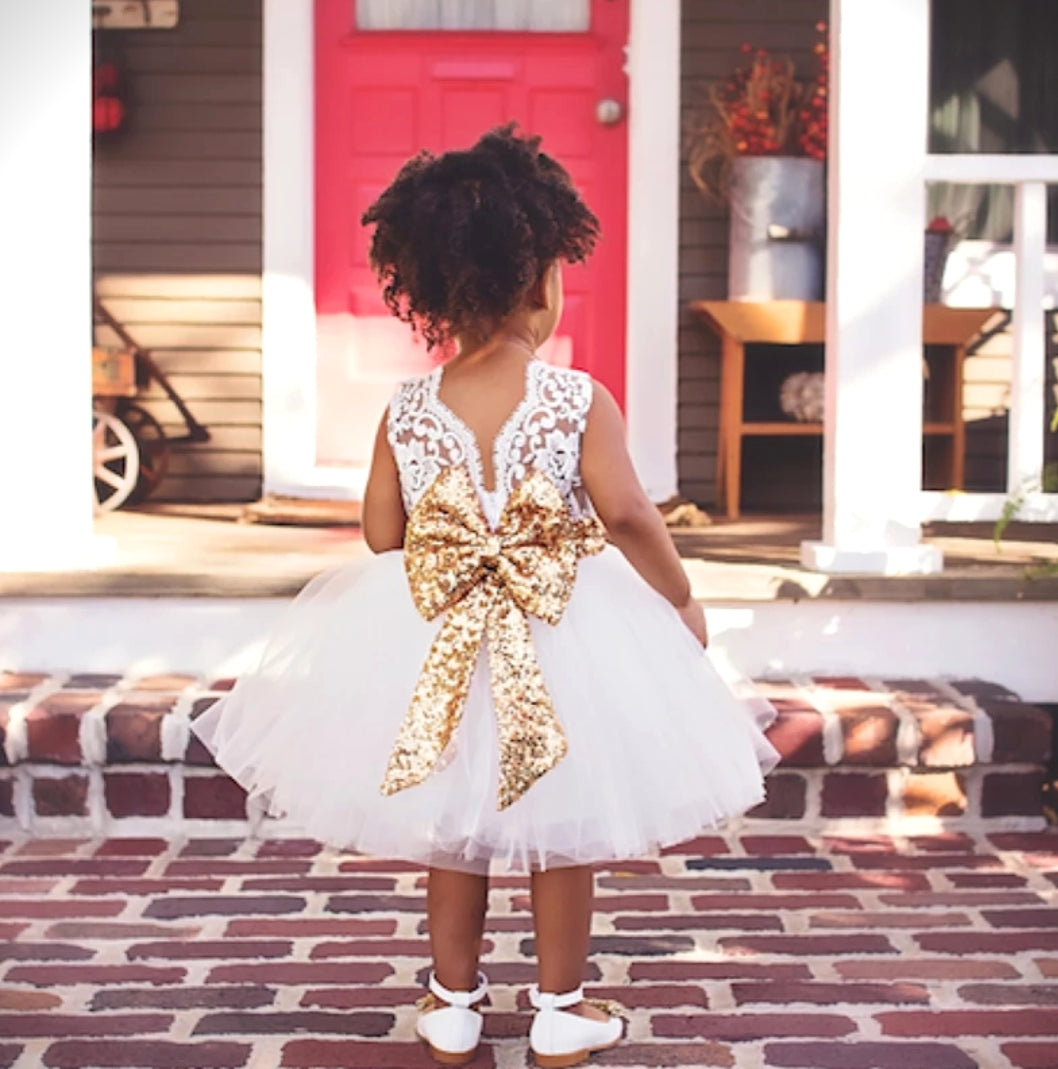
x: 560, y: 1039
x: 452, y: 1031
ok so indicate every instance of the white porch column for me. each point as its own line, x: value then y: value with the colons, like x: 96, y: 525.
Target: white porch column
x: 45, y: 285
x: 872, y: 466
x: 651, y: 366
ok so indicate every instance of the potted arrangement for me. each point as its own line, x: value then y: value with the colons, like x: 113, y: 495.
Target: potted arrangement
x: 758, y: 144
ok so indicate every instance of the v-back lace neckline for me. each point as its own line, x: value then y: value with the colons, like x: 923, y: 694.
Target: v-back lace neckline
x: 474, y: 453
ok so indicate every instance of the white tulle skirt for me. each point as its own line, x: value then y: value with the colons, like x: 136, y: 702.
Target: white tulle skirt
x: 660, y: 746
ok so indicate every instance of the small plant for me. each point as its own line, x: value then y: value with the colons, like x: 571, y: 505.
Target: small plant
x: 762, y: 109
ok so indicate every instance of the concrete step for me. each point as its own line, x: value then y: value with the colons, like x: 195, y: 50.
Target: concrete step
x: 91, y: 753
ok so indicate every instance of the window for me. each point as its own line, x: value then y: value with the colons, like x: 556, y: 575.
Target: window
x: 542, y: 16
x: 993, y: 87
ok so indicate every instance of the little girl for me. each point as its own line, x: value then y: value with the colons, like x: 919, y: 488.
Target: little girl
x: 497, y: 686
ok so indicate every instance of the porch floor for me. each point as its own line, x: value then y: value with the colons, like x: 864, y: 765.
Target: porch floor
x: 204, y: 550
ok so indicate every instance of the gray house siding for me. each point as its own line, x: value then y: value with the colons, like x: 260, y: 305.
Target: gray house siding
x: 177, y: 234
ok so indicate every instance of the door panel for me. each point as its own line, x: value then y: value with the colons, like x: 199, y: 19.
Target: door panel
x: 381, y: 97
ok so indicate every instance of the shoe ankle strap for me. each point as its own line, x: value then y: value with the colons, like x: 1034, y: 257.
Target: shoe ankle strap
x: 542, y: 1000
x: 463, y: 999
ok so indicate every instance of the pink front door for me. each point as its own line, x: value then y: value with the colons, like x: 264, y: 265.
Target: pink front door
x: 381, y: 96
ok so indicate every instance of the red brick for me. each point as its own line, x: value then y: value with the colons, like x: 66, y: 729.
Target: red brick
x: 69, y: 975
x: 891, y: 919
x: 943, y: 842
x: 29, y: 1025
x: 703, y: 846
x: 673, y: 883
x: 329, y: 884
x: 7, y: 798
x: 21, y: 681
x: 987, y: 942
x: 174, y: 682
x: 309, y: 928
x: 1032, y: 1055
x: 867, y: 1055
x: 358, y: 1054
x: 92, y: 680
x: 775, y: 902
x: 750, y: 1026
x: 823, y: 994
x: 705, y: 922
x: 781, y: 845
x: 840, y: 683
x: 65, y: 796
x: 859, y: 844
x: 134, y: 728
x: 44, y: 952
x: 121, y: 930
x: 213, y: 798
x: 927, y: 969
x: 931, y: 899
x: 136, y: 794
x: 332, y: 972
x: 807, y: 944
x: 1010, y: 994
x: 143, y: 887
x: 227, y: 867
x: 934, y: 794
x: 1034, y: 1022
x: 7, y: 702
x: 1047, y: 966
x: 377, y: 948
x: 648, y: 996
x: 209, y: 949
x: 869, y: 734
x: 1021, y: 918
x: 786, y: 797
x: 987, y: 879
x: 159, y: 1054
x: 798, y: 736
x: 9, y: 929
x: 211, y: 847
x: 669, y: 1054
x: 60, y: 907
x: 377, y: 904
x: 224, y: 905
x: 1006, y: 794
x: 196, y: 754
x: 356, y: 998
x: 1022, y: 732
x: 184, y: 998
x: 946, y: 736
x: 222, y: 684
x: 53, y: 727
x: 1025, y: 841
x: 716, y: 970
x: 50, y: 847
x: 927, y: 861
x: 77, y: 866
x: 854, y: 794
x: 823, y: 881
x: 289, y: 848
x: 9, y: 1054
x: 376, y: 864
x: 272, y: 1023
x: 18, y: 1000
x: 132, y: 848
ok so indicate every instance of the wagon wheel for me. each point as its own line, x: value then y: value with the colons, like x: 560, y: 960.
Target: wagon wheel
x: 115, y: 461
x: 154, y: 449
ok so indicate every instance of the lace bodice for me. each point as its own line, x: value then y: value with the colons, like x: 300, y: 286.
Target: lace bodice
x: 543, y: 432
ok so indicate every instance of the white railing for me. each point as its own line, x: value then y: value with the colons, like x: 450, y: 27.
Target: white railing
x: 1030, y: 176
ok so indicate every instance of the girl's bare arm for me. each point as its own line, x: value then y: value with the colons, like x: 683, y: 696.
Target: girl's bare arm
x: 382, y: 519
x: 632, y: 521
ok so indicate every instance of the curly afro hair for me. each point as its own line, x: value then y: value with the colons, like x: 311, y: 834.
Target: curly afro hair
x: 461, y: 238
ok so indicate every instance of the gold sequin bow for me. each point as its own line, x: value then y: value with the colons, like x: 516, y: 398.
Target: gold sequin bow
x: 488, y: 582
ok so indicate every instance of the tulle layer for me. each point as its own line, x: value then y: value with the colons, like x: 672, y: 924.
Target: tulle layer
x: 659, y: 745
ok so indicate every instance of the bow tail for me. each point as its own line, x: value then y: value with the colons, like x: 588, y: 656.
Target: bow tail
x: 437, y: 704
x: 531, y: 739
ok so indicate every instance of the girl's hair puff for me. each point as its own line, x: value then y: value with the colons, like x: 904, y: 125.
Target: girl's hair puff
x: 460, y: 238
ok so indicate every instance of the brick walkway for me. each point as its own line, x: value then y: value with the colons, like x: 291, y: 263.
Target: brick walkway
x: 748, y: 950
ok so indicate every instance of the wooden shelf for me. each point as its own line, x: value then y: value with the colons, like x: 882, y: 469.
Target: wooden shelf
x: 742, y: 323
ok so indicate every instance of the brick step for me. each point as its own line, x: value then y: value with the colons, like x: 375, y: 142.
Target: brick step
x: 105, y: 753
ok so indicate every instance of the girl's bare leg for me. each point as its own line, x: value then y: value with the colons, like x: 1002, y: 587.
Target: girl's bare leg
x: 562, y: 908
x: 455, y: 905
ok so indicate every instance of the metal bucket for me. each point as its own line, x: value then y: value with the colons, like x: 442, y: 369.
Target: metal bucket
x: 776, y: 249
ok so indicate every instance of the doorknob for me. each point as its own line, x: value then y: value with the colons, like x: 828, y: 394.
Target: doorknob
x: 609, y: 111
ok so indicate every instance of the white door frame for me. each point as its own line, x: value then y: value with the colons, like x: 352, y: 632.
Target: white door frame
x: 289, y: 315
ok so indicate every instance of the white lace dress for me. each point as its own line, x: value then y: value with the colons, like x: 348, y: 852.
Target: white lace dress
x: 658, y: 745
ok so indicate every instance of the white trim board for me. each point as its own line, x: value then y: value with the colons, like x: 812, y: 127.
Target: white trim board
x: 289, y: 317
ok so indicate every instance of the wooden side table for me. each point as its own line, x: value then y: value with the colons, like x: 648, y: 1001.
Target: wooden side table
x: 742, y: 323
